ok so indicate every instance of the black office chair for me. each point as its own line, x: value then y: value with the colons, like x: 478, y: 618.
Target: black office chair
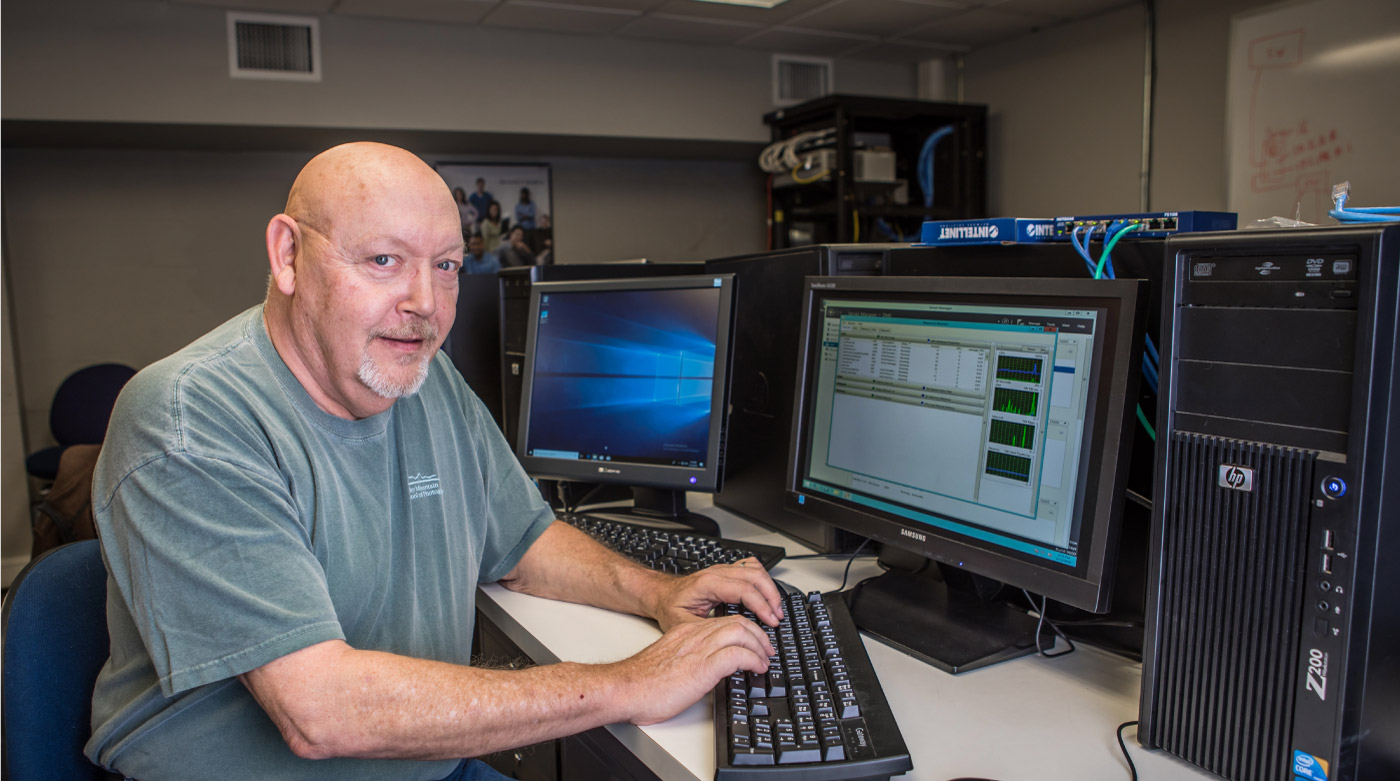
x: 55, y: 642
x: 82, y: 405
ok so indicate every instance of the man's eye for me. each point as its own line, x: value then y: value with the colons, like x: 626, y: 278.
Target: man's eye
x: 450, y: 265
x: 383, y: 260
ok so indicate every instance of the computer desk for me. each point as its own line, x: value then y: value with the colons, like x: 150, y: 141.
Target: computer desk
x: 1029, y: 718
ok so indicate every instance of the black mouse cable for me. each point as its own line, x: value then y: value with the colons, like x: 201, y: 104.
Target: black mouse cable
x: 1132, y: 769
x: 1040, y: 627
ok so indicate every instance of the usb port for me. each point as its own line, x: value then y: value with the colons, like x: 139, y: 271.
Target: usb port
x: 1328, y: 539
x: 1327, y: 564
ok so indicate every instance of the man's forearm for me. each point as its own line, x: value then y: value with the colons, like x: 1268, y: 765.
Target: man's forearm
x: 348, y: 703
x: 566, y: 564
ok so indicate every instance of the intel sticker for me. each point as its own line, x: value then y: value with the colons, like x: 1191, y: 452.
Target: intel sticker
x: 1308, y: 767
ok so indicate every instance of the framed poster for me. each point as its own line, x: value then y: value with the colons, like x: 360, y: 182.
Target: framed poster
x: 506, y: 205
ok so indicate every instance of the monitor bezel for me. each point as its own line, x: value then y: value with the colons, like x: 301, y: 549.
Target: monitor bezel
x: 1088, y: 587
x: 708, y: 479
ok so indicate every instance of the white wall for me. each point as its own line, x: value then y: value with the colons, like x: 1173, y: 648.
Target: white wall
x: 1065, y: 112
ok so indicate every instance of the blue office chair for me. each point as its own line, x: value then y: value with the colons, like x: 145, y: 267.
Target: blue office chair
x: 82, y: 405
x: 55, y: 627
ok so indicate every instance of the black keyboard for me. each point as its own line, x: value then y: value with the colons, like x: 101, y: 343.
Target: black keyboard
x: 818, y: 714
x: 677, y: 551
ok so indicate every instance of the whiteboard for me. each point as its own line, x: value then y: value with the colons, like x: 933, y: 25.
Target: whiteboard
x: 1314, y: 99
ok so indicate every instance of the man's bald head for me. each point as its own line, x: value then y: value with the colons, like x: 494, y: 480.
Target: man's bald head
x: 345, y: 179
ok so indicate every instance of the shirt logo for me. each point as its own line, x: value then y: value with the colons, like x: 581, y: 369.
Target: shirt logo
x: 423, y: 486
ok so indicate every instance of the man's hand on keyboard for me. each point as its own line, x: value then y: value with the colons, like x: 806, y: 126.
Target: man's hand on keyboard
x: 691, y: 598
x: 673, y: 673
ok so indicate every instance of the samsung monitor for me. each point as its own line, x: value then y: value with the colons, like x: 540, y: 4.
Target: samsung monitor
x: 982, y: 424
x: 626, y: 382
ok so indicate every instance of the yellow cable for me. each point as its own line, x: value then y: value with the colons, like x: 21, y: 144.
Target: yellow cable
x: 799, y: 180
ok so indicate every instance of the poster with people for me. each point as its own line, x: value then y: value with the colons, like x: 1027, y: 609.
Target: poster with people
x: 506, y: 214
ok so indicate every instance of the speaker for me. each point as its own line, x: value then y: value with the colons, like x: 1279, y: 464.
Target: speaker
x: 1272, y: 644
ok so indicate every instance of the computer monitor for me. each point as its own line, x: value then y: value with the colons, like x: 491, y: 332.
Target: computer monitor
x: 627, y: 382
x: 983, y: 424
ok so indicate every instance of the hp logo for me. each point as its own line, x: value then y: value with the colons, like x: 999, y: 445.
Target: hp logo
x: 1237, y: 478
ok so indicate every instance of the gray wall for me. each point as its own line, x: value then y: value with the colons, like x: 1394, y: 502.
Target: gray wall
x: 146, y: 61
x: 125, y: 256
x: 1065, y: 106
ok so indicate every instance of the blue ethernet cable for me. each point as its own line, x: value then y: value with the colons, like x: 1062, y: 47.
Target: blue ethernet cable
x: 1367, y: 214
x: 926, y: 162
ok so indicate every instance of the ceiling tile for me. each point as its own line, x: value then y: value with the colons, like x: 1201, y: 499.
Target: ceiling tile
x: 976, y: 27
x: 1059, y: 9
x: 596, y: 5
x: 459, y: 11
x: 669, y: 27
x: 559, y: 18
x: 870, y: 17
x: 272, y: 6
x: 805, y: 42
x: 735, y: 13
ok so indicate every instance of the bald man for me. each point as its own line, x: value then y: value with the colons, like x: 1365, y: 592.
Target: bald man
x: 296, y: 509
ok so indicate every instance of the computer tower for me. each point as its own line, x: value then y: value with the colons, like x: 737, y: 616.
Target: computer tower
x: 767, y: 319
x: 514, y: 311
x: 1273, y: 624
x: 1121, y: 629
x: 474, y: 343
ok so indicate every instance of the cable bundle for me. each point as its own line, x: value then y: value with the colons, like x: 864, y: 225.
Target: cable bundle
x: 1103, y: 268
x: 791, y: 154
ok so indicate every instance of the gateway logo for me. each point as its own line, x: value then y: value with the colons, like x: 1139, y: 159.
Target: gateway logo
x: 603, y: 470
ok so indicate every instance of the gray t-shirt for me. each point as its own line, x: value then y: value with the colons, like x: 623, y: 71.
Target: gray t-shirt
x: 240, y: 522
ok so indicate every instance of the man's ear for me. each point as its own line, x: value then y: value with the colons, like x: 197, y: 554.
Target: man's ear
x: 284, y: 241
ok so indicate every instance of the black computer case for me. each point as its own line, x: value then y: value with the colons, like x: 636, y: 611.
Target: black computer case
x: 767, y: 320
x: 474, y: 343
x: 1273, y: 621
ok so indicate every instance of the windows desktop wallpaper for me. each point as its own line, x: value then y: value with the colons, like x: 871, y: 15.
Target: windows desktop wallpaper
x: 625, y: 375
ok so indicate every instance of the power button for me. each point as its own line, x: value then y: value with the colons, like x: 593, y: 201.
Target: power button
x: 1334, y: 487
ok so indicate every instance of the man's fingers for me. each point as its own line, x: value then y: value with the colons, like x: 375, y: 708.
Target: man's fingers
x: 740, y: 632
x: 764, y: 592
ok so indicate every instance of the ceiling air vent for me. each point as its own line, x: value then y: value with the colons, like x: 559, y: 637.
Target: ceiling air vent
x: 797, y: 79
x: 271, y: 46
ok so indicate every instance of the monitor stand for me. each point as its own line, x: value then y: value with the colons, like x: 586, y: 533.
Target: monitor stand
x: 953, y: 628
x: 660, y: 509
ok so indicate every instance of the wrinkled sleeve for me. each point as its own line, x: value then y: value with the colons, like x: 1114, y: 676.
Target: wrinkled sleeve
x: 214, y: 566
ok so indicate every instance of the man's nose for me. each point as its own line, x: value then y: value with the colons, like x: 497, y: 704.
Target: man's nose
x: 420, y: 298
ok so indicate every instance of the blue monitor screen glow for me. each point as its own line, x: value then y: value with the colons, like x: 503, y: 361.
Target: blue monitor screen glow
x: 624, y: 375
x: 626, y: 381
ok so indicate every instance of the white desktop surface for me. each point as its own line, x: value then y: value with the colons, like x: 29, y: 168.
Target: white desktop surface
x: 1029, y: 718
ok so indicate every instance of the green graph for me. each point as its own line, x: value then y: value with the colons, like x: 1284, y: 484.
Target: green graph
x: 1010, y: 367
x: 1017, y: 402
x: 1005, y: 432
x: 1009, y: 466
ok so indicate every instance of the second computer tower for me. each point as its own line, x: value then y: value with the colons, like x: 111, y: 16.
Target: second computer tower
x: 767, y: 320
x: 1273, y: 623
